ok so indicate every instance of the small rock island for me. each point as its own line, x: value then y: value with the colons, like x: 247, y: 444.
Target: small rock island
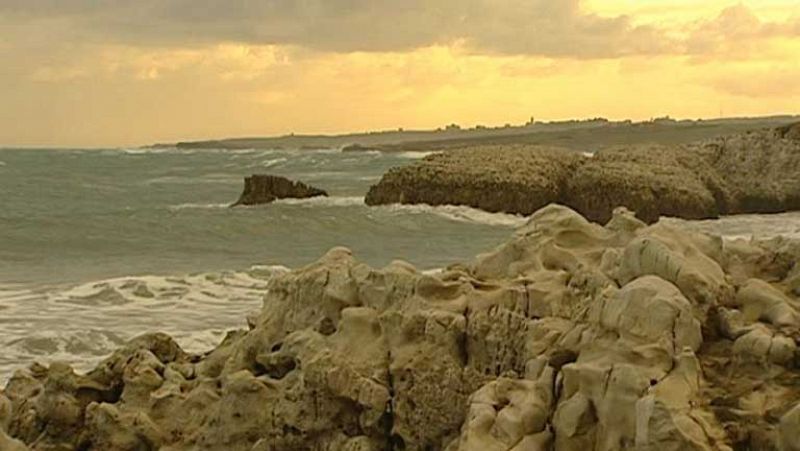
x: 263, y: 189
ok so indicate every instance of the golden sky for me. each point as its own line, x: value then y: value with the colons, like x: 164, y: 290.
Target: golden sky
x: 132, y: 72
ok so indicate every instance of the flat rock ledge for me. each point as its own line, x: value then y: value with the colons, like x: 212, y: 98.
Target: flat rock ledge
x: 571, y: 336
x: 757, y: 172
x: 263, y: 189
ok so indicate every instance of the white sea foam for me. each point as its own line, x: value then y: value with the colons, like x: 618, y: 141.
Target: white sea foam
x: 145, y: 151
x: 322, y: 201
x: 272, y: 162
x: 81, y: 324
x: 415, y: 155
x: 462, y: 214
x: 452, y: 212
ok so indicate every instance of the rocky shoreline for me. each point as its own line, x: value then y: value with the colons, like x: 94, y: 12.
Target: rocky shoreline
x: 754, y: 172
x: 570, y: 336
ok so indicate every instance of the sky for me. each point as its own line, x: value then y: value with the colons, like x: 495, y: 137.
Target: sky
x: 95, y: 73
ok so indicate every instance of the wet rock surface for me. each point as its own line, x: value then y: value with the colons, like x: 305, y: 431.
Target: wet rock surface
x: 263, y: 189
x: 571, y: 336
x: 756, y: 172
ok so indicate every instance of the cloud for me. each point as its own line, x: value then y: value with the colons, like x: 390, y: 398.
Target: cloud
x: 737, y: 30
x: 534, y: 27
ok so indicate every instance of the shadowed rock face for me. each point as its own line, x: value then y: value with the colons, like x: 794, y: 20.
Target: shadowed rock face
x: 570, y: 337
x: 263, y: 189
x: 756, y: 172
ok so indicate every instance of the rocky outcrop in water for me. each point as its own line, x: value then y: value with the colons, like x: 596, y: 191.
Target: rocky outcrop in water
x: 756, y: 172
x: 516, y: 179
x: 263, y: 189
x: 571, y: 336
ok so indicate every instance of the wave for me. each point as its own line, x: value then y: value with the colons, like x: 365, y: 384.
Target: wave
x: 142, y: 151
x: 272, y: 162
x: 206, y: 286
x: 81, y: 324
x: 452, y: 212
x: 192, y: 206
x: 321, y: 201
x: 462, y: 214
x: 415, y: 155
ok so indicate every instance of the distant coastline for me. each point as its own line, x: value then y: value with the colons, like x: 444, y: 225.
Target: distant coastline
x: 586, y: 134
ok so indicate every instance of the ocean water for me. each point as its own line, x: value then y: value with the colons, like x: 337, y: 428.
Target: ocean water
x: 99, y: 246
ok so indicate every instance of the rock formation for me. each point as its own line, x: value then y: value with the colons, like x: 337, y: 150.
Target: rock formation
x: 263, y: 189
x: 653, y: 181
x: 571, y: 336
x: 513, y: 179
x: 756, y: 172
x: 761, y: 170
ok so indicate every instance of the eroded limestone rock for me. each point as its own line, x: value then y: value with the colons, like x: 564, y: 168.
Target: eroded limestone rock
x: 571, y: 336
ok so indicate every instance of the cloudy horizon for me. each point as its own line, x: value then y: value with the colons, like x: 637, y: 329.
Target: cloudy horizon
x: 115, y: 72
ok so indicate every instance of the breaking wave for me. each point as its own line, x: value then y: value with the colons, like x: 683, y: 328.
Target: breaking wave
x: 463, y: 214
x: 321, y: 201
x: 82, y: 324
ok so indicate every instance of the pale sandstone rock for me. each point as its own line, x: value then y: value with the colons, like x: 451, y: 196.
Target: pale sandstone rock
x: 571, y: 336
x: 509, y: 414
x: 789, y: 430
x: 9, y: 444
x: 760, y: 301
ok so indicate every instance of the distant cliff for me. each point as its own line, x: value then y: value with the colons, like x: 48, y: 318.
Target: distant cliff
x: 754, y: 172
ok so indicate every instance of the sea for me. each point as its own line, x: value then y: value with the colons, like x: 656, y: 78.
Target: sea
x: 98, y: 246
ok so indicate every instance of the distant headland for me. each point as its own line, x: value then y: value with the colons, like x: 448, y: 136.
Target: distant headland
x: 585, y: 134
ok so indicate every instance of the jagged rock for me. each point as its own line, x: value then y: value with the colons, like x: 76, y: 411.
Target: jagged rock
x: 571, y: 336
x: 263, y: 189
x: 754, y: 172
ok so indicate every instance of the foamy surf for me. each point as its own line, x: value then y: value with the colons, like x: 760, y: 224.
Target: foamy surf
x: 83, y: 323
x: 462, y: 214
x: 415, y: 155
x: 322, y: 201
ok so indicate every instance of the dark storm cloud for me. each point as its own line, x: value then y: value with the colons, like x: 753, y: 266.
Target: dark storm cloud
x: 535, y: 27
